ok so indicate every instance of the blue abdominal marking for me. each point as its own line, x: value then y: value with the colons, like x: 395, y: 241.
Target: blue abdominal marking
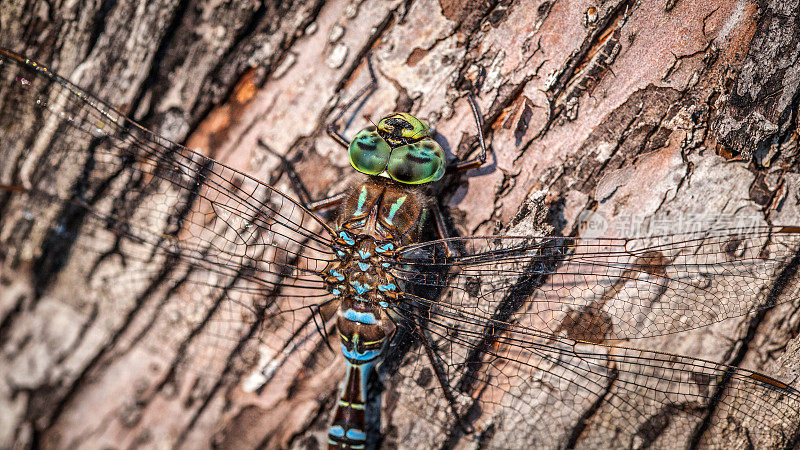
x: 383, y: 304
x: 345, y: 237
x: 355, y: 434
x: 395, y: 207
x: 363, y: 266
x: 364, y: 254
x: 387, y: 287
x: 385, y: 264
x: 358, y: 356
x: 360, y: 317
x: 362, y: 198
x: 336, y: 430
x: 336, y: 274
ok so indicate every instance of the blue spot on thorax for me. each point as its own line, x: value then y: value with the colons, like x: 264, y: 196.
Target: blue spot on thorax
x: 363, y: 266
x: 384, y: 248
x: 336, y: 274
x: 360, y: 289
x: 345, y: 237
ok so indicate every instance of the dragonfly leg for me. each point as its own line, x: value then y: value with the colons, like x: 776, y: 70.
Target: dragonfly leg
x: 367, y: 90
x: 325, y: 312
x: 437, y: 369
x: 328, y: 202
x: 300, y: 187
x: 441, y: 228
x: 478, y: 161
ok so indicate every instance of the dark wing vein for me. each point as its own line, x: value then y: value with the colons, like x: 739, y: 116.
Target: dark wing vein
x: 621, y: 288
x: 590, y: 395
x: 218, y: 251
x: 161, y: 194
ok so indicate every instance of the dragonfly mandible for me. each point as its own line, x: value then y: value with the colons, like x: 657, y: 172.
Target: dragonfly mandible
x: 481, y: 325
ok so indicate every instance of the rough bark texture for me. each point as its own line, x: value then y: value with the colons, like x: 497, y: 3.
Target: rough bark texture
x: 634, y: 109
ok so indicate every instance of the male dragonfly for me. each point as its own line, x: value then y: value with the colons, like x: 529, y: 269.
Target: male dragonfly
x: 508, y: 340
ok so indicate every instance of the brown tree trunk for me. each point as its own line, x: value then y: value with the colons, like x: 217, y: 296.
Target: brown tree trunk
x: 633, y: 109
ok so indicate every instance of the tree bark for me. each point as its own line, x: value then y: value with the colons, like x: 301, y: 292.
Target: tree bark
x: 635, y: 110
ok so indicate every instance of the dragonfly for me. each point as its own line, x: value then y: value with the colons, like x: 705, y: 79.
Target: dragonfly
x: 503, y: 341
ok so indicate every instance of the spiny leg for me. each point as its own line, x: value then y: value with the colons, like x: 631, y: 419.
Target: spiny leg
x: 333, y: 132
x: 474, y: 163
x: 327, y: 202
x: 300, y: 187
x: 441, y: 228
x: 462, y: 166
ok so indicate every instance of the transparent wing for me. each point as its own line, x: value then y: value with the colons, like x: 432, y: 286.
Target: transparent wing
x: 611, y: 289
x: 517, y: 388
x: 216, y: 245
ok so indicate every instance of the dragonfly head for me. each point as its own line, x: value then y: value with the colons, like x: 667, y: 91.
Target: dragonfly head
x: 401, y: 147
x: 402, y: 128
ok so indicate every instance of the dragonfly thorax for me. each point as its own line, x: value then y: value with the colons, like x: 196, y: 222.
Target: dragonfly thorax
x: 362, y: 271
x: 401, y: 147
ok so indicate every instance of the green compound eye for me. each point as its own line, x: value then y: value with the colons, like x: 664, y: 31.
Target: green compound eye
x: 402, y: 128
x: 369, y: 153
x: 417, y: 163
